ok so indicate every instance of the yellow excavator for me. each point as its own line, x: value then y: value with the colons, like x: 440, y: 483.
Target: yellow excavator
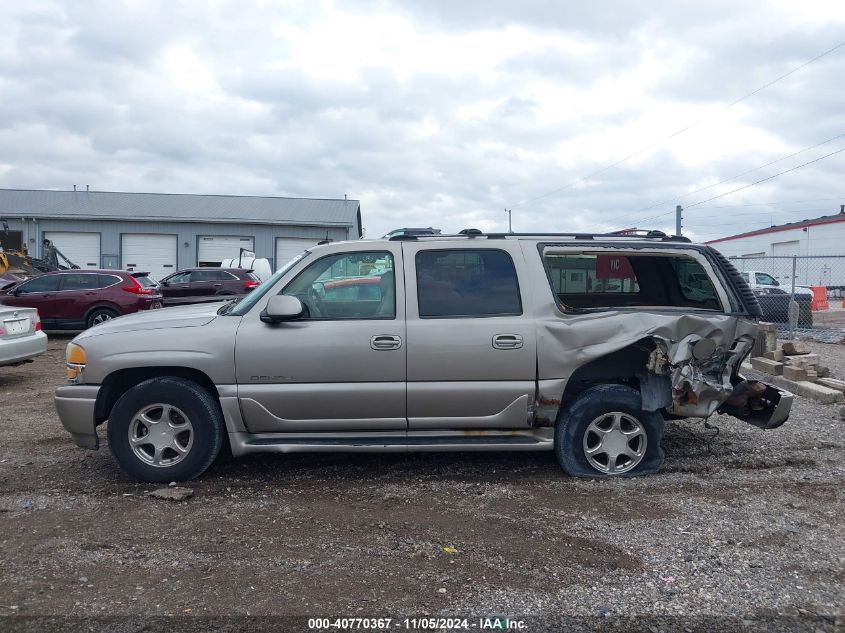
x: 17, y: 265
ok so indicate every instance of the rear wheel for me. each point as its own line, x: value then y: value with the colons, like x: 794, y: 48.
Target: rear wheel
x: 100, y: 315
x: 166, y: 429
x: 605, y: 433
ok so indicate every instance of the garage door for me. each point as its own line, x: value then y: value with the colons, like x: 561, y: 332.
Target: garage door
x: 289, y: 247
x: 83, y: 249
x: 213, y: 249
x: 155, y: 254
x: 786, y: 248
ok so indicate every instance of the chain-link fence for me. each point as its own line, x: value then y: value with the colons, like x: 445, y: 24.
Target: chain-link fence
x: 803, y: 295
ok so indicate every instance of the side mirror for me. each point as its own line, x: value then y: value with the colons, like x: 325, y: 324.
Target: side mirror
x: 164, y: 283
x: 777, y: 283
x: 282, y: 308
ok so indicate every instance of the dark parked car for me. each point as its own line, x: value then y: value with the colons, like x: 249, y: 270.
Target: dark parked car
x: 195, y: 285
x: 78, y: 299
x: 775, y: 305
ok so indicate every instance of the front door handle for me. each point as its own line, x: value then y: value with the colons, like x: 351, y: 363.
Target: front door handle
x: 381, y: 342
x: 507, y: 341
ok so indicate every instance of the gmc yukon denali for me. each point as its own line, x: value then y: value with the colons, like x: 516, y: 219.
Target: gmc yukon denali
x: 584, y: 344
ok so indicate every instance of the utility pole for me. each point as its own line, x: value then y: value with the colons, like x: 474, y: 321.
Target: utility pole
x: 679, y: 210
x: 510, y: 225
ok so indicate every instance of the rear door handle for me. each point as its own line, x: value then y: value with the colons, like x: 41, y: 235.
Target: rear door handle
x: 381, y: 342
x: 507, y: 341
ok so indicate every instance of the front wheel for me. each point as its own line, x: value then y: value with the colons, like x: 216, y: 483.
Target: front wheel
x: 605, y: 433
x: 166, y: 429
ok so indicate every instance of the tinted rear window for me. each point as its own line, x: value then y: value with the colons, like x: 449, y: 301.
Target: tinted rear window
x: 466, y: 283
x: 145, y: 281
x: 104, y: 281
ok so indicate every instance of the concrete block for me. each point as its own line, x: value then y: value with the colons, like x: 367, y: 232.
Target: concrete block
x: 811, y: 390
x: 767, y: 366
x: 832, y: 383
x: 790, y: 372
x: 791, y: 348
x: 805, y: 360
x: 817, y: 392
x: 812, y: 375
x: 775, y: 355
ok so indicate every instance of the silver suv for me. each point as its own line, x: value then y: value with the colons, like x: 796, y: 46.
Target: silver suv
x: 581, y: 344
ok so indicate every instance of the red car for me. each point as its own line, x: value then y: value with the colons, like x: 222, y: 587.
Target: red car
x: 197, y: 285
x: 79, y: 299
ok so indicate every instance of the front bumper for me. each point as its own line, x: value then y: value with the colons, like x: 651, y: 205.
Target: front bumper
x: 75, y: 406
x: 17, y: 350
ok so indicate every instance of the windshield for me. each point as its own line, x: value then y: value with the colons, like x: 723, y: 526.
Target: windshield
x: 243, y: 306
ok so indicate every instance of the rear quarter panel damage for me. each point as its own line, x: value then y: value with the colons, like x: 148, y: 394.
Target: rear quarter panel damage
x: 686, y: 386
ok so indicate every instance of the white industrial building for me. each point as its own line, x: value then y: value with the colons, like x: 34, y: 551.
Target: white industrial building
x: 819, y: 244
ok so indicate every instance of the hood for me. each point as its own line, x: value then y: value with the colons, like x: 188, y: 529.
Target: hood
x: 181, y: 316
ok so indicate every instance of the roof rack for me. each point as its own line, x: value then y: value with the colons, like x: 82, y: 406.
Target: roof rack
x: 476, y: 233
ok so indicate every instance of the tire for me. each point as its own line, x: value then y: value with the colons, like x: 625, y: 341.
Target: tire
x: 100, y: 315
x: 174, y: 401
x: 593, y: 414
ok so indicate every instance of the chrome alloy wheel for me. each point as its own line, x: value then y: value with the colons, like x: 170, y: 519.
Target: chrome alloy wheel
x: 615, y: 442
x: 161, y: 435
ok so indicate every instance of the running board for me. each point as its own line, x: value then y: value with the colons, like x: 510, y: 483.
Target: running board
x: 393, y: 442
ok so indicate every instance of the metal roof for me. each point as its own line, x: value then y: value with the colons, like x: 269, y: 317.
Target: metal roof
x: 800, y: 224
x: 177, y: 207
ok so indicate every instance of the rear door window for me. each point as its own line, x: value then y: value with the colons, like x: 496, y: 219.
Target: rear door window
x: 204, y: 276
x: 81, y: 281
x: 600, y: 281
x: 466, y: 283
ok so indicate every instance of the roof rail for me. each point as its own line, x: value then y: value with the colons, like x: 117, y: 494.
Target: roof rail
x: 475, y: 233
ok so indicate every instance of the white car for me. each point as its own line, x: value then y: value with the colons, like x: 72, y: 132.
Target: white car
x: 760, y: 279
x: 21, y: 338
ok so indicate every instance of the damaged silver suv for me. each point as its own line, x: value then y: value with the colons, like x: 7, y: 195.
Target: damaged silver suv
x: 582, y: 344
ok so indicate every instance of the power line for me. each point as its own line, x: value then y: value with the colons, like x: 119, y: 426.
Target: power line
x: 757, y: 182
x: 775, y: 203
x: 749, y: 171
x: 727, y: 193
x: 683, y: 129
x: 757, y: 214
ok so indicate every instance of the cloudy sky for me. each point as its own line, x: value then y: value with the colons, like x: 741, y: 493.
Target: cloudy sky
x: 436, y: 112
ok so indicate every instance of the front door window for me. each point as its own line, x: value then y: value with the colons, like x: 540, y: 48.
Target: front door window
x: 347, y: 286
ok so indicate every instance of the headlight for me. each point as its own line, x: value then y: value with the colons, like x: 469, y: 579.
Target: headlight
x: 75, y: 362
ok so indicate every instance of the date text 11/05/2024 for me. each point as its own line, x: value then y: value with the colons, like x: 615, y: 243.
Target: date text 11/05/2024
x: 492, y: 623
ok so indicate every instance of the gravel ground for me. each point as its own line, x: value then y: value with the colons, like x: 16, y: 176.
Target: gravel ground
x: 743, y: 526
